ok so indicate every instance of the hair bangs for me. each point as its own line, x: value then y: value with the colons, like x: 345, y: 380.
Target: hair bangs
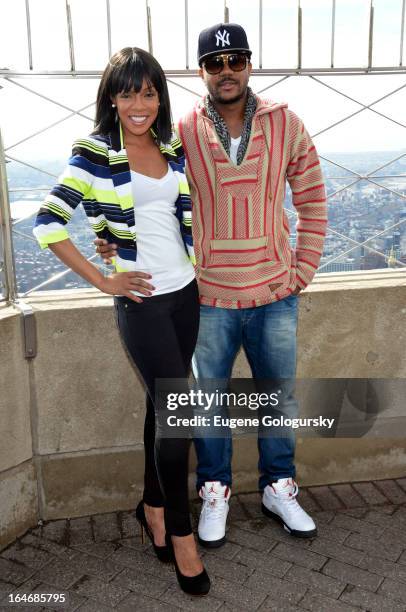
x: 130, y: 76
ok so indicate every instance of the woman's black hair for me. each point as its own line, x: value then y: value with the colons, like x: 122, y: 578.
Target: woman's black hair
x: 125, y: 72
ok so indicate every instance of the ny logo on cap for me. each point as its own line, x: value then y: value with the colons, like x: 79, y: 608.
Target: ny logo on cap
x: 223, y: 38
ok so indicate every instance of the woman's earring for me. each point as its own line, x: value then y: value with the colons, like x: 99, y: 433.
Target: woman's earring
x: 113, y: 106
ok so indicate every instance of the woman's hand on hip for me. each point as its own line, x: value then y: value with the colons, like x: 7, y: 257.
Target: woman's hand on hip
x: 123, y: 283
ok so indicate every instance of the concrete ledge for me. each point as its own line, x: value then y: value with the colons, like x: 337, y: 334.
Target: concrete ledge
x: 19, y: 504
x: 86, y: 406
x: 351, y: 325
x: 85, y: 483
x: 326, y: 461
x: 87, y: 393
x: 15, y: 427
x: 106, y: 480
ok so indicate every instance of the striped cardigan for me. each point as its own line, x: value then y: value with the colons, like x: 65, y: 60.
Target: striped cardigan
x: 98, y: 176
x: 240, y: 227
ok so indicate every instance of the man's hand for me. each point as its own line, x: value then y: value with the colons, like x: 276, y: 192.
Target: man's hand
x: 123, y: 283
x: 105, y: 250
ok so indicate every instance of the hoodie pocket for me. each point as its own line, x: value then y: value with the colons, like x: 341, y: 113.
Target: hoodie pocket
x: 238, y: 252
x: 244, y: 268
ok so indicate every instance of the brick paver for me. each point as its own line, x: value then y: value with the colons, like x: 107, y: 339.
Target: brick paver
x: 80, y: 531
x: 106, y: 527
x: 349, y: 497
x: 357, y: 562
x: 379, y: 548
x: 326, y: 498
x: 370, y: 493
x: 402, y: 483
x: 301, y: 557
x: 56, y: 531
x: 366, y: 600
x: 260, y: 582
x: 332, y: 549
x: 331, y: 532
x: 392, y: 491
x: 266, y: 562
x: 397, y: 571
x: 393, y: 589
x: 352, y: 575
x: 320, y: 603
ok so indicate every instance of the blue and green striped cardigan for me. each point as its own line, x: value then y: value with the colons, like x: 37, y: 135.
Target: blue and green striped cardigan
x: 98, y: 176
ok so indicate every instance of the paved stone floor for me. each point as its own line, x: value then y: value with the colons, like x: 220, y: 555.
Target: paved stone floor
x: 358, y: 561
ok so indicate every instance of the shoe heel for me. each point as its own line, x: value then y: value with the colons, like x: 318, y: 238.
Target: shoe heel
x: 164, y: 553
x: 197, y: 586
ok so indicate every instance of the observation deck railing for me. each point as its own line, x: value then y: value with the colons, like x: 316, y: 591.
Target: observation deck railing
x: 17, y: 78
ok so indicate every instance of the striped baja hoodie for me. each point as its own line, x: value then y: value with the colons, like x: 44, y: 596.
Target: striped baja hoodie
x: 98, y: 176
x: 240, y: 227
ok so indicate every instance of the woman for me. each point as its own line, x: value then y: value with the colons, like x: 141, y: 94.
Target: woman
x: 129, y: 176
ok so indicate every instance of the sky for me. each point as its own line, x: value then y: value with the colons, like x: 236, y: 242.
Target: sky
x: 23, y: 113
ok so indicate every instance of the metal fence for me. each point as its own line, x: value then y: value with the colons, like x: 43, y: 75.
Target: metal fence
x: 18, y: 79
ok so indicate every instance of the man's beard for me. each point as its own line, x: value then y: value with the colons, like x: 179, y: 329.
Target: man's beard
x: 215, y: 97
x: 220, y: 100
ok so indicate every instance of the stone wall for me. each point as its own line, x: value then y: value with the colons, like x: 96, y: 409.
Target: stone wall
x: 72, y: 417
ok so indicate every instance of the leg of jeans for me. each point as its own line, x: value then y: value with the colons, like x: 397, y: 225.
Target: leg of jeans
x: 269, y: 340
x: 217, y: 345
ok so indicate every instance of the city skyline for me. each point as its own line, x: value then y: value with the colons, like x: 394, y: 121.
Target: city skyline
x: 358, y: 213
x: 357, y: 121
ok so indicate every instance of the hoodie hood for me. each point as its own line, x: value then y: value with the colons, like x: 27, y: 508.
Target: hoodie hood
x: 268, y: 106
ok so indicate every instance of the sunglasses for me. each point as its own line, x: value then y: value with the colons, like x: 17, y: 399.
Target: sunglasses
x: 236, y: 61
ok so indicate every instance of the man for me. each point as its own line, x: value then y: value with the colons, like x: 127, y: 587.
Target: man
x: 240, y: 151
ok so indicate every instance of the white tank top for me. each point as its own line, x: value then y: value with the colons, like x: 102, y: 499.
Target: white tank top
x: 160, y: 248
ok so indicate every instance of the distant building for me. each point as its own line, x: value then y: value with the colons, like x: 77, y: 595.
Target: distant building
x: 396, y: 239
x: 339, y: 266
x: 373, y: 261
x: 394, y: 256
x: 392, y: 263
x: 356, y: 253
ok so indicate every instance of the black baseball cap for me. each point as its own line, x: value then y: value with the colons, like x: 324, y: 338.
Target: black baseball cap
x: 222, y: 38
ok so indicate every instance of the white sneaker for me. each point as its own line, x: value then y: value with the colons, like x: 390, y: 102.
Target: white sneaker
x: 279, y: 502
x: 213, y: 517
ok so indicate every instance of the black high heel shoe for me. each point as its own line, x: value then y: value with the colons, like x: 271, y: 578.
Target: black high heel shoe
x: 164, y: 553
x: 192, y: 585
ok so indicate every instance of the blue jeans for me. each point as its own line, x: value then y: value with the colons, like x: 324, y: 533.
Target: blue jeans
x: 268, y: 336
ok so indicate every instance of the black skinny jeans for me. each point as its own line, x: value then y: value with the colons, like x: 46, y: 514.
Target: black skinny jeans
x: 160, y: 335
